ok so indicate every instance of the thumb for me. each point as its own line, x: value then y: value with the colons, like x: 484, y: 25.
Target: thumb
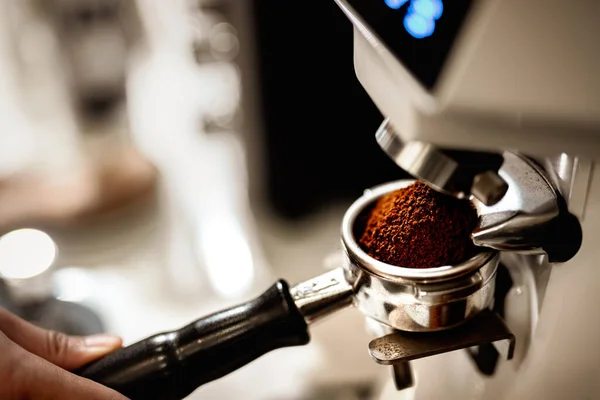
x: 68, y: 352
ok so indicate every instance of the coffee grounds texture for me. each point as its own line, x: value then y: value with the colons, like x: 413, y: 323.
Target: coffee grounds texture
x: 417, y: 227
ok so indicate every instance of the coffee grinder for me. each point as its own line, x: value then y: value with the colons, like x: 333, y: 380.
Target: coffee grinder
x: 498, y: 101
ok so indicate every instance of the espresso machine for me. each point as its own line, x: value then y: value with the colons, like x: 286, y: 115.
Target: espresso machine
x: 494, y: 101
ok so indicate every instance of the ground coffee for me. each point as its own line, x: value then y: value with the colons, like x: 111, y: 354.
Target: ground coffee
x: 417, y: 227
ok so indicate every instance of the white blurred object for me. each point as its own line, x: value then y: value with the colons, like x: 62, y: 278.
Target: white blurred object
x: 25, y: 253
x: 37, y: 129
x: 222, y: 246
x: 74, y: 285
x: 171, y: 100
x: 213, y: 38
x: 26, y: 258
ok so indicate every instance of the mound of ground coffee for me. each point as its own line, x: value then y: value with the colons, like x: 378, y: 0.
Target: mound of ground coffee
x: 417, y: 227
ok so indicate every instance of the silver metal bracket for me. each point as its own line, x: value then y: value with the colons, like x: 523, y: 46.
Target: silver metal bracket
x: 400, y: 347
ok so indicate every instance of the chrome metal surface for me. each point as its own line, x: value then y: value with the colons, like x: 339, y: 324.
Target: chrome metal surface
x: 489, y: 187
x: 401, y: 347
x: 520, y: 220
x: 318, y: 297
x: 392, y: 272
x: 580, y: 187
x: 358, y: 23
x: 560, y: 171
x: 517, y: 206
x: 571, y: 177
x: 428, y: 163
x: 523, y: 302
x: 407, y: 299
x: 411, y: 299
x: 423, y: 307
x: 421, y: 160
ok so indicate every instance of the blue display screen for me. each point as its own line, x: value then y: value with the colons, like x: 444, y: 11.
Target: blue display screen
x: 419, y: 32
x: 419, y: 20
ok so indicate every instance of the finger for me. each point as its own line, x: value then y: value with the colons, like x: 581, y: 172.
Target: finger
x: 68, y: 352
x: 36, y: 378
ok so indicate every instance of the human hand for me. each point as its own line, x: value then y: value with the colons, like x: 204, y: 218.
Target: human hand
x: 34, y: 362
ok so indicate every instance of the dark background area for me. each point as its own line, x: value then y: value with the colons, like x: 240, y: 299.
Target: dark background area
x: 319, y: 122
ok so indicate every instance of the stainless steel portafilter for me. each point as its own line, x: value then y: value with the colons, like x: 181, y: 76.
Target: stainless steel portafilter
x: 171, y: 365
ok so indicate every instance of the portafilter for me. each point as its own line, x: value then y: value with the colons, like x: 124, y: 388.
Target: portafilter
x: 171, y: 365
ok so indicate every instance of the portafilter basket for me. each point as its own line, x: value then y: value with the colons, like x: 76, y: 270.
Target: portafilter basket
x: 413, y: 299
x: 171, y: 365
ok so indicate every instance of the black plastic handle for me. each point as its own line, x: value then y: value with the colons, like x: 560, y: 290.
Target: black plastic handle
x: 171, y: 365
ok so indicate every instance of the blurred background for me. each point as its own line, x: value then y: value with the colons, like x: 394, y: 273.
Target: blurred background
x: 163, y: 160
